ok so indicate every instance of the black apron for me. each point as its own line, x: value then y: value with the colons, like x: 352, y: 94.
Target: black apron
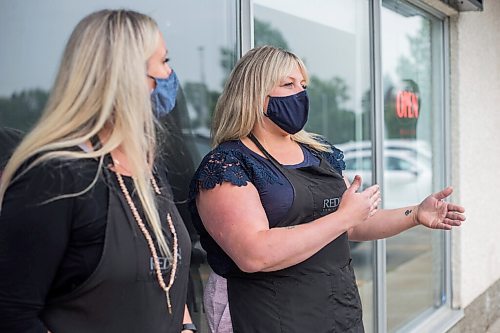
x: 317, y: 295
x: 123, y: 294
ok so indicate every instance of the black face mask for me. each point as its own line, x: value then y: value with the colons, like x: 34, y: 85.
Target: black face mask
x: 289, y: 112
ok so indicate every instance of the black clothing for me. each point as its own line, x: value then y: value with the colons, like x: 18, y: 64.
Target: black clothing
x: 235, y: 163
x: 316, y: 295
x: 122, y: 294
x: 49, y: 249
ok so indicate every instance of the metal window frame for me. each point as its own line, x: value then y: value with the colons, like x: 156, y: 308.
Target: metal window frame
x: 443, y: 318
x: 245, y: 23
x: 446, y: 316
x: 377, y: 136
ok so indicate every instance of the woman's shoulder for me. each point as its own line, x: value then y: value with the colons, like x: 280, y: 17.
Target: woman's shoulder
x: 233, y: 154
x: 333, y: 155
x: 54, y: 176
x: 62, y: 167
x: 226, y: 162
x: 231, y: 162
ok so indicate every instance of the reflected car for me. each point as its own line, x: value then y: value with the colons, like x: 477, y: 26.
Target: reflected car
x: 417, y: 148
x: 407, y: 174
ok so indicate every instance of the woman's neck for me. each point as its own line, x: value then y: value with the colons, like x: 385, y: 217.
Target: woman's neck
x: 271, y: 137
x: 120, y: 160
x: 279, y: 144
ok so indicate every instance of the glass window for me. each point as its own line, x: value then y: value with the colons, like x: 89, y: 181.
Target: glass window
x: 332, y: 37
x: 413, y: 112
x: 202, y: 42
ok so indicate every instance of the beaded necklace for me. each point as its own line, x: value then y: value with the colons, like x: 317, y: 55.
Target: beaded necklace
x: 166, y: 288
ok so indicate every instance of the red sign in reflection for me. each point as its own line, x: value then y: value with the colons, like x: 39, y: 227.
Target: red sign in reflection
x: 406, y: 104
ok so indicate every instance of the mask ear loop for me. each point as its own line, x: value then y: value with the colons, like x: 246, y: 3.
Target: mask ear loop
x: 265, y: 111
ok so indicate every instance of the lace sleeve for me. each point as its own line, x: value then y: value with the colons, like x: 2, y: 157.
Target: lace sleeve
x: 216, y: 168
x: 335, y: 157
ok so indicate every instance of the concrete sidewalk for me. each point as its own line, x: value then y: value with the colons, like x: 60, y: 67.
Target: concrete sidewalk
x: 495, y: 328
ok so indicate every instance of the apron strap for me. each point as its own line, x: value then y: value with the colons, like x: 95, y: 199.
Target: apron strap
x: 265, y: 152
x: 281, y: 167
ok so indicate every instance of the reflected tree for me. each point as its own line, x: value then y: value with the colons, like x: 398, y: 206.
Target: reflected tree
x: 22, y: 110
x: 327, y: 115
x: 201, y: 103
x: 414, y: 74
x: 265, y: 34
x: 418, y: 65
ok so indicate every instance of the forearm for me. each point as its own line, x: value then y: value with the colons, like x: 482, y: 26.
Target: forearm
x: 385, y: 223
x: 279, y: 248
x: 240, y: 227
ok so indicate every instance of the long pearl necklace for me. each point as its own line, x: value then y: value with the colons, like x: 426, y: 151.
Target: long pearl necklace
x: 166, y: 288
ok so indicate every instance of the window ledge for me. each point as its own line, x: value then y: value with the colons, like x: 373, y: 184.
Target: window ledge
x: 440, y: 321
x: 439, y: 6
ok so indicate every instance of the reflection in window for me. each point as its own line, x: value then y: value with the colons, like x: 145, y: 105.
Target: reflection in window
x: 412, y: 75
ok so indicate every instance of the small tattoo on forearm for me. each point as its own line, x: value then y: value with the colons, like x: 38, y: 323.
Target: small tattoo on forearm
x: 408, y: 211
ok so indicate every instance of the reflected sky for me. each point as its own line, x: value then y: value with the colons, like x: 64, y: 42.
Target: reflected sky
x: 338, y: 14
x: 33, y: 34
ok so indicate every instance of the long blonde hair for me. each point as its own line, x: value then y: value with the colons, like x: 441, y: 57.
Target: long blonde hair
x: 101, y: 83
x: 241, y: 104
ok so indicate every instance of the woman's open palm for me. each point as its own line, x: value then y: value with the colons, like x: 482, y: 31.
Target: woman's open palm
x: 433, y: 212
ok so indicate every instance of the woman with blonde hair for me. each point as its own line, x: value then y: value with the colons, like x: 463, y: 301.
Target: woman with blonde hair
x: 91, y: 240
x: 275, y: 213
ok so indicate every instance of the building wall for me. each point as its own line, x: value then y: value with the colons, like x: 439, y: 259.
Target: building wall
x: 475, y: 112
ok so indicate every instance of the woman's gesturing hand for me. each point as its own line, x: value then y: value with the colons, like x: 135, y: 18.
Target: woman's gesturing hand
x: 358, y: 206
x: 435, y: 213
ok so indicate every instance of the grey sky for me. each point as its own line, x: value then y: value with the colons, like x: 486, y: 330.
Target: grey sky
x: 33, y: 34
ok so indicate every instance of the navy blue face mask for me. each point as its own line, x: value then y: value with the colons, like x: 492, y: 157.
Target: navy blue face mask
x: 164, y: 95
x: 289, y: 112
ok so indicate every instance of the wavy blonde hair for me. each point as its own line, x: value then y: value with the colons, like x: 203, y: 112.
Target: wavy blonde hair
x: 101, y: 83
x: 241, y: 104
